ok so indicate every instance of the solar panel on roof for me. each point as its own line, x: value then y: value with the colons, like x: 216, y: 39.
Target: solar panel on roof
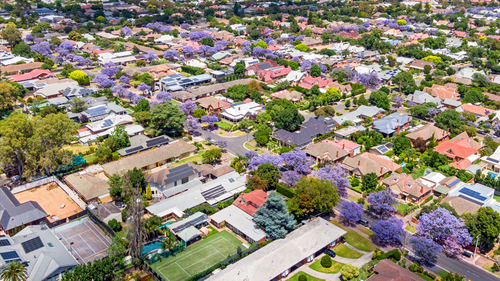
x: 156, y: 142
x: 134, y: 149
x: 454, y: 182
x: 492, y: 160
x: 473, y: 194
x: 9, y: 255
x: 9, y: 261
x: 214, y: 192
x: 383, y: 148
x: 4, y: 242
x: 231, y: 180
x: 192, y: 222
x: 32, y: 245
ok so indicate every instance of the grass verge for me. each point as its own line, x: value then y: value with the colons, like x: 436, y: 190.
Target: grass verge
x: 355, y: 239
x: 211, y: 232
x: 309, y: 277
x: 346, y: 252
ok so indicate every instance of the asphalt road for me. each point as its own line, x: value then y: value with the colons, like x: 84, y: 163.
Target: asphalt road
x: 234, y: 144
x: 455, y: 265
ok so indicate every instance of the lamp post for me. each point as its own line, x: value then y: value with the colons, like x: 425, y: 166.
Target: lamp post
x: 477, y: 241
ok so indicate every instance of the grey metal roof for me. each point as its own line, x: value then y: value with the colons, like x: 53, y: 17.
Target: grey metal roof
x: 241, y: 221
x: 43, y: 262
x: 390, y: 123
x: 192, y: 220
x: 145, y: 143
x: 14, y: 214
x: 311, y: 129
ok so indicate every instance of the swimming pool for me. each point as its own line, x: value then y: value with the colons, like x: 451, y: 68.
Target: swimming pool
x: 151, y: 247
x: 492, y: 175
x: 165, y: 224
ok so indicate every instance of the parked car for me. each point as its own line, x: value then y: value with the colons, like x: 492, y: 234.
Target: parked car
x: 467, y: 254
x: 331, y: 253
x: 482, y: 132
x: 491, y: 136
x: 363, y: 222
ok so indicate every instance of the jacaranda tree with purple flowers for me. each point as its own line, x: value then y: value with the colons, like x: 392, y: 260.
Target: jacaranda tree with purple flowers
x: 143, y: 87
x: 258, y: 160
x: 209, y: 119
x: 192, y: 125
x: 297, y: 160
x: 445, y: 229
x: 124, y: 79
x: 425, y: 249
x: 110, y: 72
x: 351, y: 212
x: 383, y: 202
x: 389, y: 231
x: 150, y: 55
x: 187, y: 107
x: 126, y: 31
x: 398, y: 100
x: 251, y: 154
x: 337, y: 176
x: 119, y: 90
x: 164, y: 97
x: 103, y: 81
x: 42, y: 48
x: 290, y: 178
x: 171, y: 55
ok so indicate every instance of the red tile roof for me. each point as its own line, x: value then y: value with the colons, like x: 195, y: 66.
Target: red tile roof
x: 250, y: 202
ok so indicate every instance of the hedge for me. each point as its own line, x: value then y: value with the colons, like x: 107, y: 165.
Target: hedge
x: 396, y: 254
x: 426, y: 200
x: 282, y: 189
x: 432, y: 276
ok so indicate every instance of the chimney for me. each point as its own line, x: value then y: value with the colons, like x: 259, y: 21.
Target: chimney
x: 359, y: 163
x: 412, y: 98
x: 422, y: 189
x: 443, y: 133
x: 397, y: 130
x: 337, y: 154
x: 448, y: 130
x: 343, y: 146
x: 381, y: 170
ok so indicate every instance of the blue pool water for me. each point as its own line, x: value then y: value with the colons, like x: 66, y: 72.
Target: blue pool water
x: 492, y: 175
x: 165, y: 224
x: 402, y: 164
x: 151, y: 247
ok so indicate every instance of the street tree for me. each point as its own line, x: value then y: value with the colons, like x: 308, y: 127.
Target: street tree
x: 166, y: 118
x: 350, y: 212
x: 313, y: 196
x: 389, y: 231
x: 383, y: 202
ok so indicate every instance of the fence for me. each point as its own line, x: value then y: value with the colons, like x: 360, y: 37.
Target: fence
x: 101, y: 224
x: 48, y: 180
x: 68, y: 219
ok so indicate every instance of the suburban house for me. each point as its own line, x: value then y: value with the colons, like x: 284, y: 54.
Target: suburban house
x: 344, y: 89
x: 348, y: 131
x: 250, y: 202
x: 14, y: 214
x: 420, y: 97
x: 391, y: 124
x: 213, y: 105
x: 459, y: 148
x: 238, y: 111
x: 476, y: 193
x: 212, y: 192
x: 212, y: 173
x: 492, y: 162
x: 34, y: 74
x: 91, y: 184
x: 106, y: 211
x: 20, y: 68
x: 190, y: 229
x: 314, y: 127
x: 366, y: 163
x: 41, y: 252
x: 240, y: 222
x: 255, y: 69
x: 477, y: 110
x: 407, y: 188
x: 292, y: 96
x: 386, y: 270
x: 140, y: 143
x: 326, y: 152
x: 100, y: 112
x: 168, y: 178
x: 310, y: 81
x: 205, y: 91
x: 359, y: 115
x: 448, y: 91
x: 349, y: 146
x: 152, y: 158
x: 427, y: 132
x: 420, y: 64
x: 280, y: 257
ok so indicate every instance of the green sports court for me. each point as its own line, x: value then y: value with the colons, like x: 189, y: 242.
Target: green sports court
x: 198, y: 257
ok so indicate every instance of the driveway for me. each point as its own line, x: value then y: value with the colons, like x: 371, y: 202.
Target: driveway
x: 234, y: 144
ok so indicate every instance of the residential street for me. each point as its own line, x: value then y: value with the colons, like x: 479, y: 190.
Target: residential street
x: 234, y: 144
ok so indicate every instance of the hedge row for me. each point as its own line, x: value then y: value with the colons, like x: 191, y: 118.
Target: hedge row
x: 281, y: 188
x: 396, y: 254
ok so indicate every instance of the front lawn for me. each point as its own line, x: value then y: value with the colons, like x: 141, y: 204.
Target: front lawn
x: 355, y: 239
x: 251, y: 147
x: 224, y: 125
x: 346, y: 252
x: 411, y: 228
x: 423, y: 276
x: 196, y: 158
x: 309, y: 277
x: 336, y: 266
x: 366, y: 230
x: 402, y: 208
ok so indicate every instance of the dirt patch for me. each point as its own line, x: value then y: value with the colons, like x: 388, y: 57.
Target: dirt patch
x: 51, y: 198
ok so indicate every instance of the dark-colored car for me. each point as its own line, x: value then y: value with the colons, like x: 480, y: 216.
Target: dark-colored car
x: 363, y: 222
x: 482, y: 132
x: 467, y: 254
x: 331, y: 253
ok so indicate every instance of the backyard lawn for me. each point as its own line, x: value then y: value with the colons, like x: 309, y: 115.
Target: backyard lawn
x: 343, y: 251
x: 496, y: 198
x: 309, y: 277
x: 336, y: 266
x: 355, y: 239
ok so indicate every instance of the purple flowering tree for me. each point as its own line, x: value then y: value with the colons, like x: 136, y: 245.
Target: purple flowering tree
x: 189, y: 51
x: 210, y: 120
x: 296, y: 59
x: 159, y: 27
x: 258, y: 51
x: 42, y: 48
x: 187, y: 107
x: 298, y: 161
x: 383, y: 202
x: 290, y: 178
x: 444, y: 228
x: 124, y: 79
x: 150, y: 55
x: 143, y: 87
x: 126, y: 31
x: 431, y: 111
x: 222, y: 144
x: 389, y: 231
x: 109, y: 64
x: 251, y: 154
x: 425, y: 249
x: 103, y: 81
x: 28, y: 38
x: 171, y: 55
x: 351, y: 212
x: 110, y: 72
x: 256, y: 161
x: 337, y: 176
x: 65, y: 46
x: 185, y: 25
x: 164, y: 97
x: 398, y: 100
x: 119, y: 90
x: 411, y: 103
x: 246, y: 49
x: 192, y: 125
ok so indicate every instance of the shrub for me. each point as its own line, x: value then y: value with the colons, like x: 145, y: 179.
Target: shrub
x: 326, y: 261
x: 396, y: 254
x: 282, y: 189
x: 377, y: 254
x: 414, y: 267
x: 302, y: 278
x: 430, y: 275
x: 115, y: 225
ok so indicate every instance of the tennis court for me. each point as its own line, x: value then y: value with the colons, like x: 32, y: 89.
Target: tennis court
x: 198, y: 257
x: 85, y: 240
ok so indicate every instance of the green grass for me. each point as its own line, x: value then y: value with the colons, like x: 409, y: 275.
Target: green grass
x: 198, y: 257
x: 425, y: 277
x: 357, y: 189
x: 174, y: 102
x: 402, y: 208
x: 355, y: 239
x: 309, y: 277
x: 224, y: 125
x: 195, y: 158
x: 411, y: 228
x: 346, y: 252
x: 212, y: 232
x: 441, y: 272
x: 240, y: 133
x: 366, y: 231
x: 89, y: 158
x: 251, y: 147
x: 496, y: 198
x: 336, y: 266
x: 419, y: 172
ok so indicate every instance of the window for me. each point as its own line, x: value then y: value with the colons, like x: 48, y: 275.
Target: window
x: 185, y: 180
x: 175, y: 183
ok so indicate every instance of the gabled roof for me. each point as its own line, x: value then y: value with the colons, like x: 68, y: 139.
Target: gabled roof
x: 426, y: 132
x: 403, y: 183
x: 370, y: 163
x: 250, y: 202
x: 325, y: 150
x: 14, y: 214
x: 390, y: 123
x: 461, y: 146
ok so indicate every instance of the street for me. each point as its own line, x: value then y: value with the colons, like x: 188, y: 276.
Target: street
x: 234, y: 144
x: 455, y: 265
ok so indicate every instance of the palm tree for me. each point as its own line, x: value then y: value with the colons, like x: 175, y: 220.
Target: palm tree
x: 170, y: 241
x: 14, y: 271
